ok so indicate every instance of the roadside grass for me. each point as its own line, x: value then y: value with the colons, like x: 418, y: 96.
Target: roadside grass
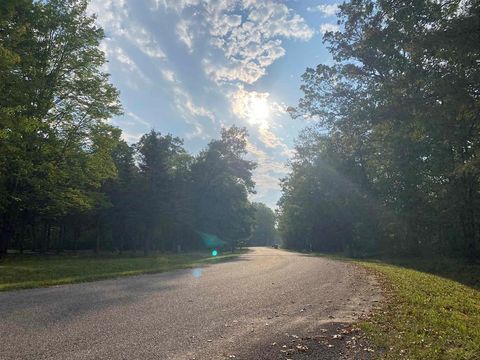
x: 431, y: 309
x: 29, y: 271
x: 427, y: 315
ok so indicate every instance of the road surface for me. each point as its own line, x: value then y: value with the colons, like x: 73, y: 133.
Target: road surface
x: 258, y: 306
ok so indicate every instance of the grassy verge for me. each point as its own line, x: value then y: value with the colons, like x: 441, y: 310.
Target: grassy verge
x: 432, y: 311
x: 22, y: 272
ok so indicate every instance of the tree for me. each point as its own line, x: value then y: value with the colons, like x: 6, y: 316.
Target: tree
x: 55, y: 143
x: 222, y: 180
x: 67, y: 181
x: 263, y: 232
x: 400, y: 107
x: 122, y: 216
x: 159, y: 158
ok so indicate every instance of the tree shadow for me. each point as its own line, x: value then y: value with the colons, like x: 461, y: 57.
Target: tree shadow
x: 39, y: 307
x: 331, y: 341
x: 458, y: 270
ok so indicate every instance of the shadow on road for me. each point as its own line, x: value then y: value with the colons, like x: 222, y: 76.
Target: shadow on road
x: 330, y: 341
x: 64, y: 303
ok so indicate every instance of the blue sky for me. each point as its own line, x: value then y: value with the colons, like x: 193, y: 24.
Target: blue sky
x: 191, y: 67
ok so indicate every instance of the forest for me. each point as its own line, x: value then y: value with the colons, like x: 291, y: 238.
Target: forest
x: 69, y: 182
x: 389, y: 164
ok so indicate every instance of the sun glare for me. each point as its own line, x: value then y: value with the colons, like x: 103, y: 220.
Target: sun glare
x: 258, y: 110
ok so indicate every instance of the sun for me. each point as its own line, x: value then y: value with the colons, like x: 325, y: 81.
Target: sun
x: 258, y: 110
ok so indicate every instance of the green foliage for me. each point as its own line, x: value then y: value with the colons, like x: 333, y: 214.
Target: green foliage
x: 391, y: 165
x: 222, y: 180
x: 264, y: 231
x: 56, y: 148
x: 67, y: 181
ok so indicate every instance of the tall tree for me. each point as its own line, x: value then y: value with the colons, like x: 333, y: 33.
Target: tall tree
x: 263, y: 231
x: 401, y: 106
x: 159, y: 156
x: 222, y: 180
x: 55, y: 143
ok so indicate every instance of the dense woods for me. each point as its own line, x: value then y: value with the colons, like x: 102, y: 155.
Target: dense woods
x: 264, y: 232
x: 388, y: 166
x: 68, y: 181
x: 390, y: 163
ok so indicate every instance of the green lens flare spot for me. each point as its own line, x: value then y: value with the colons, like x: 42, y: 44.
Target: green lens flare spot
x: 214, y: 253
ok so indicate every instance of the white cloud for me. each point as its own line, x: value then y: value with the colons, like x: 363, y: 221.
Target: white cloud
x: 267, y: 173
x: 112, y: 16
x: 138, y: 119
x: 110, y: 13
x: 131, y: 137
x: 144, y: 41
x: 168, y: 75
x: 325, y: 9
x: 176, y: 5
x: 192, y: 113
x: 248, y: 33
x: 251, y: 45
x: 329, y: 27
x: 269, y: 138
x: 123, y: 58
x: 184, y: 34
x: 128, y: 64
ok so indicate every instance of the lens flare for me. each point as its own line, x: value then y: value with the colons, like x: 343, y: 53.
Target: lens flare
x: 197, y: 273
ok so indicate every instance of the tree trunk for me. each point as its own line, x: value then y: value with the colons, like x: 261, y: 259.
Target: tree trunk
x: 21, y: 237
x: 61, y: 238
x: 146, y: 244
x: 76, y: 236
x: 467, y: 218
x: 6, y: 232
x: 97, y: 236
x: 45, y: 238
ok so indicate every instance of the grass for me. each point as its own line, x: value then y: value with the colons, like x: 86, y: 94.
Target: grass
x: 21, y: 272
x: 432, y: 310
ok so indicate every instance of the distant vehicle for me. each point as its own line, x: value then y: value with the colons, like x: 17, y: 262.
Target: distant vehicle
x: 275, y: 246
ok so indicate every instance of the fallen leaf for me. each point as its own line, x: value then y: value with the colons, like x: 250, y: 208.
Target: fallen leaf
x: 302, y: 348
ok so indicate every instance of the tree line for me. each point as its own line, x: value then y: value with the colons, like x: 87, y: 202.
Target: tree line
x: 68, y: 181
x: 390, y: 164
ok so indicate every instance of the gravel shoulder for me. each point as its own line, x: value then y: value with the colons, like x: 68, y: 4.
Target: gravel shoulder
x: 248, y: 308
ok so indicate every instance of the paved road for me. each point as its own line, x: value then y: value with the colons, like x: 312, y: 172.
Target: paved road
x: 227, y: 310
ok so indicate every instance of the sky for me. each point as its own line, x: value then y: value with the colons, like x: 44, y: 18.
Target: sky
x: 192, y: 67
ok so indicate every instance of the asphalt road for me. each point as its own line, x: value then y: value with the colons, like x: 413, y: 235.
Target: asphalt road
x: 230, y: 310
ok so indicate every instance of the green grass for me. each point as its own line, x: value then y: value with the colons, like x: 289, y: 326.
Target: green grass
x: 20, y: 272
x: 431, y: 311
